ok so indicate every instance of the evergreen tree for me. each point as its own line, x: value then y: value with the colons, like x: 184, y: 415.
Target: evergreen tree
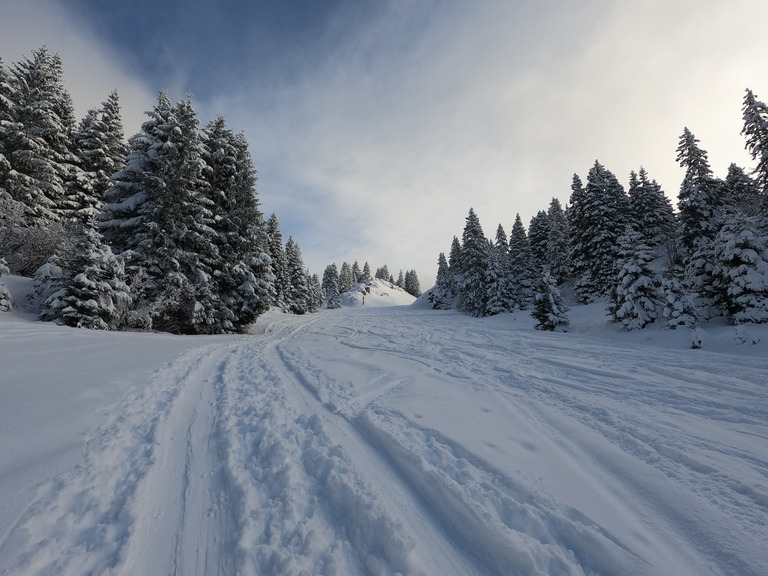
x: 99, y: 145
x: 741, y: 256
x: 522, y: 265
x: 700, y: 202
x: 650, y: 210
x: 365, y: 276
x: 742, y: 192
x: 93, y: 292
x: 331, y: 287
x: 473, y: 263
x: 538, y: 236
x: 599, y: 213
x: 635, y: 298
x: 316, y: 298
x: 678, y: 308
x: 346, y: 280
x: 557, y: 242
x: 500, y: 292
x: 160, y: 216
x: 279, y: 261
x: 356, y: 273
x: 298, y: 297
x: 241, y: 263
x: 37, y: 149
x: 755, y: 114
x: 383, y: 273
x: 5, y: 294
x: 412, y: 283
x: 549, y: 308
x: 400, y: 280
x: 442, y: 295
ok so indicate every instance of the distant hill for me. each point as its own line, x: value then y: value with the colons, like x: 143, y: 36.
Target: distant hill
x: 376, y: 293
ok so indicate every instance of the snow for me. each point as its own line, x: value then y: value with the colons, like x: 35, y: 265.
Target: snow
x: 379, y: 439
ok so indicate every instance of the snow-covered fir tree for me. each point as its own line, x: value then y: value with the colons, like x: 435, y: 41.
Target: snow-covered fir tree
x: 279, y: 260
x: 316, y: 298
x: 755, y: 130
x: 556, y: 257
x: 41, y: 166
x: 635, y: 300
x: 365, y: 275
x: 382, y: 273
x: 549, y: 309
x: 700, y: 202
x: 741, y: 270
x: 400, y: 282
x: 331, y: 287
x: 472, y: 266
x: 650, y: 210
x: 598, y: 215
x: 92, y: 290
x: 101, y: 150
x: 742, y: 191
x: 298, y: 298
x: 356, y: 273
x: 241, y: 263
x: 5, y: 294
x: 411, y: 284
x: 500, y: 291
x: 522, y: 265
x: 346, y: 280
x: 442, y: 295
x: 538, y: 235
x: 678, y: 308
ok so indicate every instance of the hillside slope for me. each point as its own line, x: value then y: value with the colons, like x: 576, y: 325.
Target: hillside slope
x: 383, y: 440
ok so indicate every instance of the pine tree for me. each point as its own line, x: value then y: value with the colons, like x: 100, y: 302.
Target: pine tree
x: 442, y: 295
x: 412, y: 283
x: 650, y: 210
x: 473, y: 263
x: 549, y: 308
x: 346, y: 280
x: 400, y: 283
x: 557, y: 242
x: 298, y: 298
x: 241, y: 263
x: 500, y: 292
x: 678, y: 308
x: 38, y: 150
x: 522, y: 265
x: 356, y: 273
x: 635, y: 298
x: 741, y: 270
x: 5, y: 294
x: 331, y: 287
x: 93, y: 292
x: 538, y: 235
x: 700, y: 202
x: 598, y: 215
x: 279, y: 261
x: 742, y: 192
x: 365, y: 276
x: 755, y: 114
x: 383, y: 273
x: 99, y: 146
x: 316, y: 298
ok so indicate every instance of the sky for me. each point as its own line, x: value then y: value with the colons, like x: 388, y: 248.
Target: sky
x: 375, y: 126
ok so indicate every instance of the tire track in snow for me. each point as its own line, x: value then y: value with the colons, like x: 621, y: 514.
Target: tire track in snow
x: 128, y: 500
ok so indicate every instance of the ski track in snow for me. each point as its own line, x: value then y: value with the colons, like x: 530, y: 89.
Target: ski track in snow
x: 335, y: 444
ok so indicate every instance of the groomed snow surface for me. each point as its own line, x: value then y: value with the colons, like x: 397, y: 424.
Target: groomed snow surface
x: 384, y: 440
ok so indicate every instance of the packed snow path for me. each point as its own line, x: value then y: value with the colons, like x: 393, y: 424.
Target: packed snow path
x: 395, y: 440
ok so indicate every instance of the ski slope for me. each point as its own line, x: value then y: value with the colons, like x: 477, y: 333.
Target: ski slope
x: 383, y: 440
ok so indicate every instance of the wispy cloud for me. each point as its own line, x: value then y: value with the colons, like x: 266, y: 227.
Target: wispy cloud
x: 376, y: 130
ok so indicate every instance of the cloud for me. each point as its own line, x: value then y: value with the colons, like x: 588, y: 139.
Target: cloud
x: 374, y: 131
x: 91, y: 70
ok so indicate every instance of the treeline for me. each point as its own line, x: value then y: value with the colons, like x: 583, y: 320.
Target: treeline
x: 337, y: 281
x: 710, y: 258
x: 163, y: 232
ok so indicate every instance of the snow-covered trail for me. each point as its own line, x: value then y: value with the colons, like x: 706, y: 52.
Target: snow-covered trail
x: 394, y: 440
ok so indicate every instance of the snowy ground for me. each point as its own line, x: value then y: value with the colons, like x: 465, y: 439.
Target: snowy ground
x: 382, y: 440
